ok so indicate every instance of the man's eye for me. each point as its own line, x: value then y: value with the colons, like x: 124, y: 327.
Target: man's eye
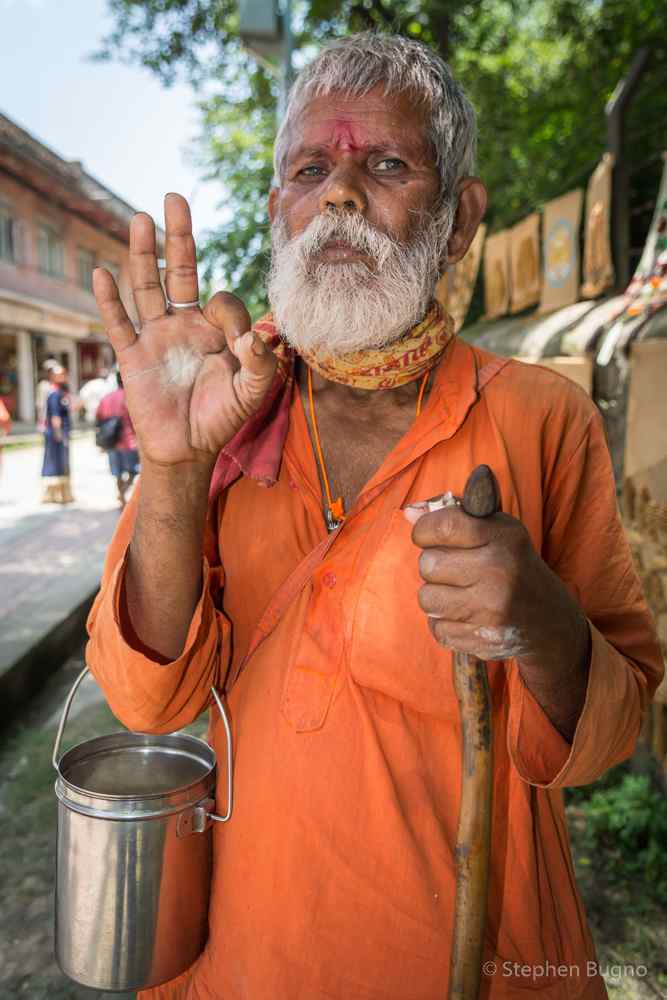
x: 389, y: 163
x: 312, y: 170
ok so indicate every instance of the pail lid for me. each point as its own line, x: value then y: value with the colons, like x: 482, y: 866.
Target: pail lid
x: 132, y: 775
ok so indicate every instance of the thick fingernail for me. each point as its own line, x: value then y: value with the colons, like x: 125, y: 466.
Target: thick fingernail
x: 258, y: 347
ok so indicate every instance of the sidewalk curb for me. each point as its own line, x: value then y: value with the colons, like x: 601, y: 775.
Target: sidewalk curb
x: 36, y: 439
x: 21, y: 680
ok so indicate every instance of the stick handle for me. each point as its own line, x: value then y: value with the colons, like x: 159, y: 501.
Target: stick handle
x: 481, y: 497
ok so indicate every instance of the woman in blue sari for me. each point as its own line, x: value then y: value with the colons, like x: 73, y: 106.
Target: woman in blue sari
x: 55, y: 468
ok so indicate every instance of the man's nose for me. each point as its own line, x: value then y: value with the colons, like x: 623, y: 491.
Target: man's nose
x: 344, y: 192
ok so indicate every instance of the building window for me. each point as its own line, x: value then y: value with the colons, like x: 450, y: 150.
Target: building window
x: 85, y: 264
x: 8, y: 235
x: 50, y: 251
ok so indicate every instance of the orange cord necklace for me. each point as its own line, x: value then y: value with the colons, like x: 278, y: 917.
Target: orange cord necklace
x: 335, y: 510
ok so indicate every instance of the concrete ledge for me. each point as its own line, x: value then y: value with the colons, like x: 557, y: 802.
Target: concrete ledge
x: 23, y: 678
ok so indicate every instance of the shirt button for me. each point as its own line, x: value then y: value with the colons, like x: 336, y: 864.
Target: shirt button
x: 329, y: 579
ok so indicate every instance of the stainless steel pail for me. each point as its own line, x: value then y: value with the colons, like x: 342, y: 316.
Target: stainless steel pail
x: 133, y: 854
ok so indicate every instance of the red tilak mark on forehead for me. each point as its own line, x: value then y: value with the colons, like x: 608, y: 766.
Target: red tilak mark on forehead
x: 347, y: 135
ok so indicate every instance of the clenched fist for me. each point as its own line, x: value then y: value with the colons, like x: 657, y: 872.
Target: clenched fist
x: 488, y: 592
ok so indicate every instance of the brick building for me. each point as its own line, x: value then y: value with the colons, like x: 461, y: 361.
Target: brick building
x: 56, y: 224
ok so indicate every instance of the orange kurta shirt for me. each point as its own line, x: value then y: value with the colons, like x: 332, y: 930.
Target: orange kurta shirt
x: 335, y: 876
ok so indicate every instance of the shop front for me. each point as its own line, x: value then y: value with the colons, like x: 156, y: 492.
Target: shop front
x: 96, y: 357
x: 9, y: 372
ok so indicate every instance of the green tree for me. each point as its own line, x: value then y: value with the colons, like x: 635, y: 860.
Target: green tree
x: 538, y: 72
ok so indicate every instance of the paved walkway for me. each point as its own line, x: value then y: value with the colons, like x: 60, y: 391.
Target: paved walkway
x: 51, y: 556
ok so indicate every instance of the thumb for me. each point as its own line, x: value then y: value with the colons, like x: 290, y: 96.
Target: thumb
x: 412, y: 512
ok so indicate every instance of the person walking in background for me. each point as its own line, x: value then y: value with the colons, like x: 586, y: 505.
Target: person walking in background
x: 56, y: 467
x: 93, y: 392
x: 45, y: 387
x: 123, y: 454
x: 5, y: 426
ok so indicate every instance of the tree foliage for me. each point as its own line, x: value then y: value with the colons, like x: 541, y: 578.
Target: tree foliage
x: 539, y: 73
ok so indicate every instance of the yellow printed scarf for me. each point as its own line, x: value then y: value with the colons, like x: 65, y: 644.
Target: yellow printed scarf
x: 387, y: 367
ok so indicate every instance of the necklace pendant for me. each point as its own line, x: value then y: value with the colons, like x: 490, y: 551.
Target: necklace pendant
x: 332, y: 522
x: 335, y: 514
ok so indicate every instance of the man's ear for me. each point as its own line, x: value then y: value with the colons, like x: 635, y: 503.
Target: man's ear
x: 471, y: 207
x: 273, y: 203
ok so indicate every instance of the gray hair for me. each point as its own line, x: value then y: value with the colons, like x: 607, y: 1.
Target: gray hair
x: 357, y: 64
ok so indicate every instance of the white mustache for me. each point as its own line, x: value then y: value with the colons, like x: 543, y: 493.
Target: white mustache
x: 352, y: 229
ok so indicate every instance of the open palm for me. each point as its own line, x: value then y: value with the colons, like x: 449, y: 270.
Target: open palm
x: 192, y: 376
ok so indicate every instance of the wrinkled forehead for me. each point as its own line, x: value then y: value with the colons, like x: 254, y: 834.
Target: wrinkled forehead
x: 354, y: 123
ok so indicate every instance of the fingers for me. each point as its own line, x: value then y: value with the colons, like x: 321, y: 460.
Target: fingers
x: 144, y: 275
x: 258, y: 363
x: 116, y: 322
x: 486, y: 642
x: 258, y: 366
x: 447, y: 602
x: 453, y: 527
x: 455, y: 567
x: 180, y: 252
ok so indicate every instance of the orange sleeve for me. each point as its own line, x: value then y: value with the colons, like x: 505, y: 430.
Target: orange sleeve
x: 145, y: 692
x: 584, y: 543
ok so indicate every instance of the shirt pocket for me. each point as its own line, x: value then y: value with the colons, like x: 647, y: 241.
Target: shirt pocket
x: 391, y: 648
x: 314, y: 660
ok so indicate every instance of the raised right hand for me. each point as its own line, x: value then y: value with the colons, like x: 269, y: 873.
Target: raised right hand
x: 179, y: 419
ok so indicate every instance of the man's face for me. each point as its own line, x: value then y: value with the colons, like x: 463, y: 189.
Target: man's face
x: 359, y: 228
x: 366, y: 154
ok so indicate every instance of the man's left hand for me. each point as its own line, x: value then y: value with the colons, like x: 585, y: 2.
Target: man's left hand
x: 487, y: 591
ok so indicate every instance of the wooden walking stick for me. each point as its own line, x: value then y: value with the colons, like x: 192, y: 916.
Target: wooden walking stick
x: 473, y: 837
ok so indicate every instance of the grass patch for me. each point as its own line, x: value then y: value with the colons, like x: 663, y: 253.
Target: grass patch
x: 618, y: 828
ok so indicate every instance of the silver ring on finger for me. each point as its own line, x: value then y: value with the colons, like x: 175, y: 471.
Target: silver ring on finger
x: 182, y: 305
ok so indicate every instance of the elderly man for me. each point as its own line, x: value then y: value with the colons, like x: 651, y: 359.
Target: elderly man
x: 328, y: 605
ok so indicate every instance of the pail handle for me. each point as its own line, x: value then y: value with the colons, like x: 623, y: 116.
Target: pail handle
x: 228, y: 734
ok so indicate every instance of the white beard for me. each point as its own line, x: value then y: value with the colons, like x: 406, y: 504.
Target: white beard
x: 333, y: 309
